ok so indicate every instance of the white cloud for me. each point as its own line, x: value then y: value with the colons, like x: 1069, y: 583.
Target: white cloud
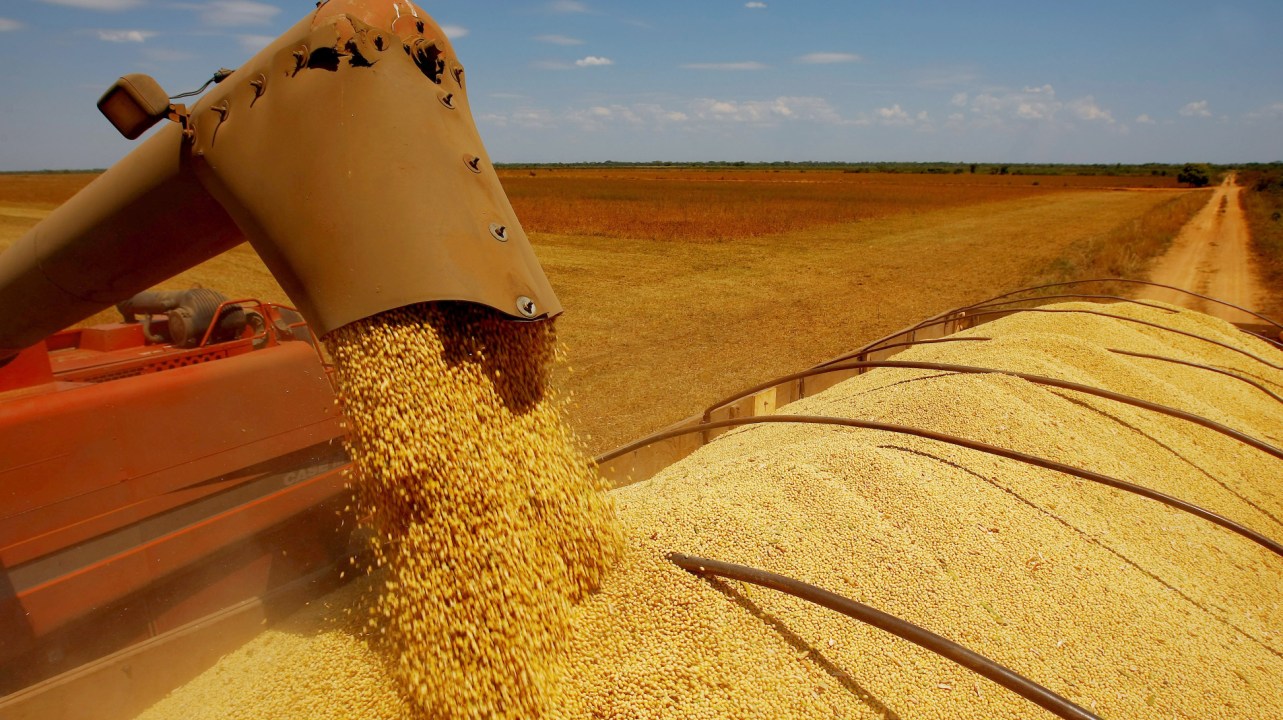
x: 590, y: 61
x: 755, y: 5
x: 594, y: 118
x: 1273, y: 111
x: 1034, y: 111
x: 637, y: 115
x: 1085, y: 108
x: 704, y: 114
x: 454, y: 32
x: 829, y: 58
x: 254, y: 43
x: 1197, y: 108
x: 1029, y: 105
x: 7, y: 25
x: 568, y: 6
x: 1144, y: 119
x: 236, y: 12
x: 894, y: 115
x: 125, y: 36
x: 1036, y: 103
x: 530, y: 118
x: 559, y: 40
x: 105, y: 5
x: 725, y: 66
x: 767, y: 112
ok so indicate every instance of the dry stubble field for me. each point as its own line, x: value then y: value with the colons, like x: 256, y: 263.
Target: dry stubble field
x: 682, y: 286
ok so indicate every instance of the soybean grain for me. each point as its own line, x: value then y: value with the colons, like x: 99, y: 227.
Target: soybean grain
x: 1122, y: 605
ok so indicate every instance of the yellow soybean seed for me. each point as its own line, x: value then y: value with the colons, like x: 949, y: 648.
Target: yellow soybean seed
x: 494, y: 523
x: 1123, y: 605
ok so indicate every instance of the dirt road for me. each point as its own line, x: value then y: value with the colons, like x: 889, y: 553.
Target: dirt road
x: 1211, y: 256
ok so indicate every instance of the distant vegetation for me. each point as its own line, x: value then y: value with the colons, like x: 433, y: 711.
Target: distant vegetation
x: 1194, y: 175
x: 929, y: 168
x: 1263, y: 204
x: 53, y: 172
x: 1214, y: 172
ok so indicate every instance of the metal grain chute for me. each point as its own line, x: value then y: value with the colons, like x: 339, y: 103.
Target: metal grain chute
x: 345, y: 152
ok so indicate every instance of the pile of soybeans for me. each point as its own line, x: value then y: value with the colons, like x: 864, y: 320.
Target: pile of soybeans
x: 1123, y: 605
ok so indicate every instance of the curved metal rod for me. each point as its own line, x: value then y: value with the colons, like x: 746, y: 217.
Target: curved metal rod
x: 909, y: 343
x: 939, y: 318
x: 903, y: 629
x: 1175, y: 361
x: 1268, y: 340
x: 960, y: 313
x: 1124, y: 318
x: 1253, y: 313
x: 1036, y: 379
x: 912, y: 343
x: 969, y: 312
x: 1116, y: 298
x: 1033, y: 460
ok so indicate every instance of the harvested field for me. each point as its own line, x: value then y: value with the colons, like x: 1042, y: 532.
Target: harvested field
x: 42, y: 191
x: 720, y: 205
x: 655, y: 328
x: 1123, y: 605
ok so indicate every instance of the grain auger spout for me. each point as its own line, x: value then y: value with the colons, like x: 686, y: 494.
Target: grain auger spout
x: 345, y: 152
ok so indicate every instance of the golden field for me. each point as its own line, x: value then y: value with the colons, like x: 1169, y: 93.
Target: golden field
x: 711, y: 205
x: 682, y: 286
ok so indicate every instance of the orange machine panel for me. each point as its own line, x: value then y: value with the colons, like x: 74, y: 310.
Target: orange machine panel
x: 136, y: 504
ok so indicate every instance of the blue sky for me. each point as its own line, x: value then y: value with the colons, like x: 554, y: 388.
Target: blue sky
x: 576, y: 80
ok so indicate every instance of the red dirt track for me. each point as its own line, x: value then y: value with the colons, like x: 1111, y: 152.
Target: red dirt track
x: 1212, y: 256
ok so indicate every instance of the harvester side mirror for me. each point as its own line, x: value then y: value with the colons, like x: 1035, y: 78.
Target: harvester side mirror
x: 134, y: 104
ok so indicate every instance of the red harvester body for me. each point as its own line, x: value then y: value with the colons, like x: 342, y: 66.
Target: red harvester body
x: 144, y: 486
